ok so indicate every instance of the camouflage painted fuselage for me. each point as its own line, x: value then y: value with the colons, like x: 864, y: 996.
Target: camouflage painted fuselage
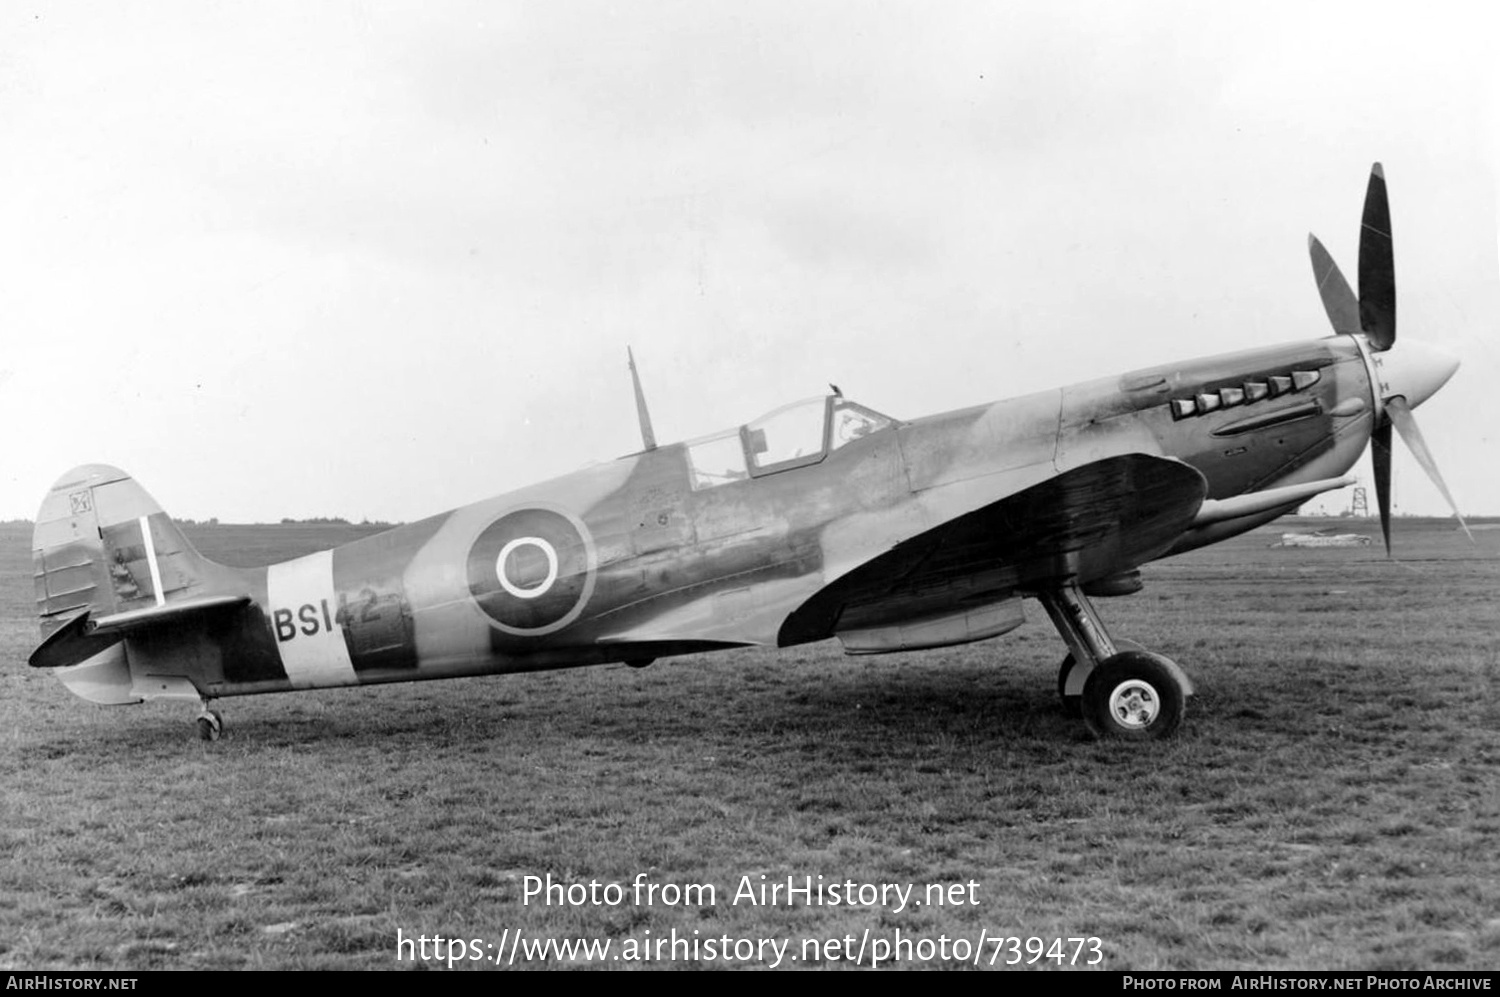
x: 903, y: 534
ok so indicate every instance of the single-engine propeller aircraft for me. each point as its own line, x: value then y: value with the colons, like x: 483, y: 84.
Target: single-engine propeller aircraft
x: 822, y: 519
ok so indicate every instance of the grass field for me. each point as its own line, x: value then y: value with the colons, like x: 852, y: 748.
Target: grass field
x: 1332, y: 801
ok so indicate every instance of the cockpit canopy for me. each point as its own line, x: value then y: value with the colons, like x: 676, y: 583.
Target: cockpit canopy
x: 794, y: 435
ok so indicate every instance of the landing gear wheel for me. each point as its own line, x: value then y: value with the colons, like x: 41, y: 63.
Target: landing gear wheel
x: 210, y: 725
x: 1133, y: 696
x: 1072, y: 704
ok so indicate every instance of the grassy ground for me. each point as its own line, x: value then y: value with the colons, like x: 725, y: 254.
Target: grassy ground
x: 1332, y: 801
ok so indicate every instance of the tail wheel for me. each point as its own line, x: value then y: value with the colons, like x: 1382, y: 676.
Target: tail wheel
x: 1072, y: 702
x: 1135, y: 696
x: 210, y: 725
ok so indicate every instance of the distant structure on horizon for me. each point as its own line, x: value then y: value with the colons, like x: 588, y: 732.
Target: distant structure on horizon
x: 1323, y: 538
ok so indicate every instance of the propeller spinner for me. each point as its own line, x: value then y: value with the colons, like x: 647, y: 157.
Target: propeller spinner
x: 1402, y: 378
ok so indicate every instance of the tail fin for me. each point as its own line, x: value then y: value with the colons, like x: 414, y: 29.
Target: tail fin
x: 104, y: 551
x: 102, y: 544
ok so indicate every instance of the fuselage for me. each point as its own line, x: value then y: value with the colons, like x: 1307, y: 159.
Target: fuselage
x: 710, y: 544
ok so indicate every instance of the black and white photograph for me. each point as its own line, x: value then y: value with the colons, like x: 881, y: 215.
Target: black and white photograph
x: 493, y: 484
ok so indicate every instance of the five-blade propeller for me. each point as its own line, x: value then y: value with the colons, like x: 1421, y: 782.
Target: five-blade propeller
x: 1403, y: 378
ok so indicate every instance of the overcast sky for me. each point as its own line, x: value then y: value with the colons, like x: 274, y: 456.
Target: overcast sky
x: 380, y: 260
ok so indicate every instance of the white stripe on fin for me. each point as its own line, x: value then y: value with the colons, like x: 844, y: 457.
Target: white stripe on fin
x: 161, y: 597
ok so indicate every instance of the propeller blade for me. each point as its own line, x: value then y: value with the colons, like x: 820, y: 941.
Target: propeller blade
x: 1377, y: 266
x: 1406, y: 424
x: 1380, y: 458
x: 1338, y: 297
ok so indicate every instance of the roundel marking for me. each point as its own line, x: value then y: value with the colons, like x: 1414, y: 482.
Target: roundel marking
x: 532, y: 571
x: 541, y: 587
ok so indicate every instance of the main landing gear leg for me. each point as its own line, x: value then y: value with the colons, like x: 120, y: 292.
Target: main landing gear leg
x: 1118, y: 688
x: 210, y: 723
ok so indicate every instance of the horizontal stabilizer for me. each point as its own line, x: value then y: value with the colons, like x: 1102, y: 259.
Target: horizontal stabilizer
x: 70, y: 644
x: 136, y: 619
x: 82, y: 637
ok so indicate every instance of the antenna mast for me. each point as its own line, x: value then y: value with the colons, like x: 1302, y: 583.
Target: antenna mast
x: 648, y: 438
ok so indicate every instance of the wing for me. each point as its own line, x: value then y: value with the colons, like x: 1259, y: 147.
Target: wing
x: 1085, y: 524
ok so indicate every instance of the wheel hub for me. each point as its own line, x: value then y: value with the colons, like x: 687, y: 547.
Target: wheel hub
x: 1134, y: 704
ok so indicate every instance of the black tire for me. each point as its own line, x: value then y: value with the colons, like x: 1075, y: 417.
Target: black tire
x: 210, y: 725
x: 1073, y: 705
x: 1133, y: 696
